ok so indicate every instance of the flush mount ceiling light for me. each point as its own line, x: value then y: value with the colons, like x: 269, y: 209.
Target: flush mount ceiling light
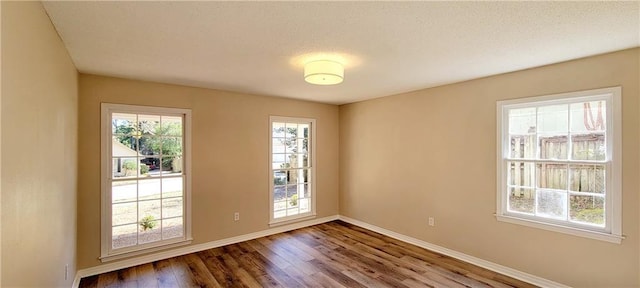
x: 324, y: 72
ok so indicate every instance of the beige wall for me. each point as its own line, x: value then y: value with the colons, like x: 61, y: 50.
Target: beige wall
x: 433, y: 153
x: 399, y: 161
x: 230, y: 143
x: 39, y: 149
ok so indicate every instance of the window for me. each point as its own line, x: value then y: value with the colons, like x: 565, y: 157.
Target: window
x: 292, y: 169
x: 145, y: 172
x: 559, y: 162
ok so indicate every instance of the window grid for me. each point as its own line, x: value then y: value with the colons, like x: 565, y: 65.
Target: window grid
x: 145, y: 193
x: 292, y: 168
x: 511, y: 161
x: 577, y: 170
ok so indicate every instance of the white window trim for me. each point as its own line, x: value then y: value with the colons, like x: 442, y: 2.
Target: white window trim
x: 303, y: 216
x: 613, y: 227
x: 106, y: 251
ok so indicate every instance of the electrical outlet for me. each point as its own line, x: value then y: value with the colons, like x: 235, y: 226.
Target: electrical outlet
x: 432, y: 221
x: 66, y: 271
x: 236, y: 216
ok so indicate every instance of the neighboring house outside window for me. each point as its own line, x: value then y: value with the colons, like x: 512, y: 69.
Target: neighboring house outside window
x: 145, y: 179
x: 291, y: 169
x: 559, y: 163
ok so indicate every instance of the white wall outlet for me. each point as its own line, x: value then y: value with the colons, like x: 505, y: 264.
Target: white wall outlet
x: 432, y: 222
x: 236, y: 216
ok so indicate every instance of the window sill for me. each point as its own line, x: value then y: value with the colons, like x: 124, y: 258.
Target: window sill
x: 275, y: 223
x: 617, y: 239
x: 122, y: 255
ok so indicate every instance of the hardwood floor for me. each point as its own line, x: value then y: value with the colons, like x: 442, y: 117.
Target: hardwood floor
x: 334, y: 254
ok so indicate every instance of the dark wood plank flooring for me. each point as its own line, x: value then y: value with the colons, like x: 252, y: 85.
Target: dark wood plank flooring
x: 334, y: 254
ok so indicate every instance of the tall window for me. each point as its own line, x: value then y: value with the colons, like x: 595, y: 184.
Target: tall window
x: 559, y: 163
x: 145, y: 187
x: 292, y: 169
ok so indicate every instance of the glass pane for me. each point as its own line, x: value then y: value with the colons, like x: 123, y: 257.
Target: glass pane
x: 124, y: 236
x: 293, y: 201
x: 171, y: 145
x: 171, y: 125
x: 124, y: 167
x: 553, y: 120
x: 171, y: 187
x: 124, y: 213
x: 522, y: 121
x: 122, y: 123
x: 553, y: 147
x: 587, y: 209
x: 152, y: 166
x: 279, y: 177
x: 588, y: 147
x: 291, y: 145
x: 279, y: 205
x: 306, y: 162
x: 552, y: 204
x: 123, y: 146
x: 521, y: 200
x: 279, y: 161
x: 292, y: 196
x: 521, y: 174
x: 303, y: 145
x: 552, y: 176
x: 280, y: 213
x: 149, y: 189
x: 306, y: 176
x: 294, y: 176
x: 279, y: 193
x: 150, y: 145
x: 171, y: 165
x: 149, y: 125
x: 298, y: 146
x: 523, y: 146
x: 149, y: 231
x: 587, y: 178
x: 294, y: 161
x: 149, y: 210
x: 143, y: 168
x: 293, y: 211
x: 292, y: 130
x: 303, y: 130
x: 172, y: 228
x: 589, y: 116
x: 305, y: 205
x: 278, y: 145
x: 306, y: 193
x: 292, y: 190
x: 171, y: 207
x: 278, y: 130
x: 124, y: 191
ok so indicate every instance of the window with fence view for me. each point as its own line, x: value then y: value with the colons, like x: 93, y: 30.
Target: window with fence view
x: 557, y: 159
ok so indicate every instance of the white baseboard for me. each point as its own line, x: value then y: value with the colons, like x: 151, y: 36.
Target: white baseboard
x: 112, y: 266
x: 513, y: 273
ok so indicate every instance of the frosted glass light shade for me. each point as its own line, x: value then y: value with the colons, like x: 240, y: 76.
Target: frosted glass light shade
x: 323, y: 72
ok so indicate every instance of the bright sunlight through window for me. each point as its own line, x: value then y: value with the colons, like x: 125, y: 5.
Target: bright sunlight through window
x: 292, y: 166
x: 559, y: 163
x: 145, y: 179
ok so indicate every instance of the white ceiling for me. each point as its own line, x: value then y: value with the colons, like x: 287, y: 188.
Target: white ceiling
x: 387, y: 47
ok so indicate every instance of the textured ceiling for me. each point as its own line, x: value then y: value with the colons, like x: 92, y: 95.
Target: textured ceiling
x: 387, y: 47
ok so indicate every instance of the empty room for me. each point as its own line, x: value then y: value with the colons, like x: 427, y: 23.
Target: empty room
x: 320, y: 144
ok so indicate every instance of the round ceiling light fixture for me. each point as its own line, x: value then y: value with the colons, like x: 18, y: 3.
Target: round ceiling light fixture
x: 324, y: 72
